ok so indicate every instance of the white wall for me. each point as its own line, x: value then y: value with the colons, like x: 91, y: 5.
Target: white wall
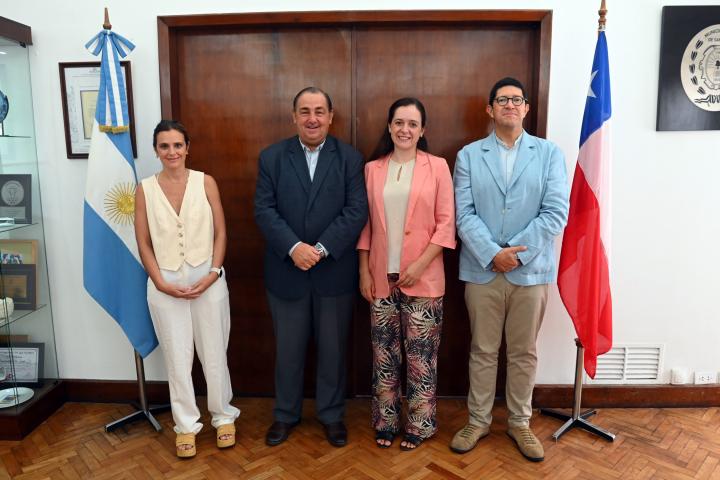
x: 665, y: 183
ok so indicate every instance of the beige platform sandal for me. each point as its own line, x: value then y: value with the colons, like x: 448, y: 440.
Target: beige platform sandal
x: 185, y: 440
x: 228, y: 430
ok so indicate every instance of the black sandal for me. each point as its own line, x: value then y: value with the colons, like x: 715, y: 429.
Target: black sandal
x: 413, y: 440
x: 386, y: 435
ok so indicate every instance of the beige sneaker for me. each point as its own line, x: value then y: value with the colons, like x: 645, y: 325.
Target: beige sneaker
x: 467, y: 437
x: 527, y: 443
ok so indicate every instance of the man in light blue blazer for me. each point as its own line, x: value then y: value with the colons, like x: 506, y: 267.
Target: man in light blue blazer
x: 511, y: 195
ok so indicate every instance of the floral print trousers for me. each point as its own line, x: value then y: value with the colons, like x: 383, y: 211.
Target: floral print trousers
x: 417, y: 321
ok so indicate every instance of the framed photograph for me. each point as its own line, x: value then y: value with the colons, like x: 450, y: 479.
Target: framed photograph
x: 18, y: 282
x: 80, y: 82
x: 689, y: 83
x: 18, y: 251
x: 16, y: 197
x: 23, y: 363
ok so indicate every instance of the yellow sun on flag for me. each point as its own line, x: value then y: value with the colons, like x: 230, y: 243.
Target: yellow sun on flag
x: 120, y: 203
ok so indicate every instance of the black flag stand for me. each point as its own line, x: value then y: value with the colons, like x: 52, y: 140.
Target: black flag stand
x: 144, y: 411
x: 577, y: 419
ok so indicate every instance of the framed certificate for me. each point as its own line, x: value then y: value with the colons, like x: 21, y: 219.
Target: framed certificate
x: 16, y: 197
x: 18, y: 283
x: 23, y: 363
x: 80, y: 82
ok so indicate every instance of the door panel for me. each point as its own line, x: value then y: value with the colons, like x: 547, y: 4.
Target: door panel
x: 235, y: 91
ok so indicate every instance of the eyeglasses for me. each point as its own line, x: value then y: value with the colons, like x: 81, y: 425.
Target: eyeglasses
x: 517, y: 100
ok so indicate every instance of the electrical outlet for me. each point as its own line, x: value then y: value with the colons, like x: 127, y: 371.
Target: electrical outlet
x: 705, y: 377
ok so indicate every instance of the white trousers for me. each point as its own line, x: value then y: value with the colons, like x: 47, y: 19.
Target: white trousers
x: 185, y: 325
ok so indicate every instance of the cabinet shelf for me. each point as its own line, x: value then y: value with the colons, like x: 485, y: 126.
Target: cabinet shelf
x: 17, y: 226
x: 18, y: 314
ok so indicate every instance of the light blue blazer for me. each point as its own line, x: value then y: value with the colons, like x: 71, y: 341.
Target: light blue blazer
x: 532, y: 210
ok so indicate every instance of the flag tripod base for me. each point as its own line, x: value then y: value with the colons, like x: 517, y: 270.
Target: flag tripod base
x: 577, y: 419
x: 144, y: 410
x: 579, y: 422
x: 147, y: 414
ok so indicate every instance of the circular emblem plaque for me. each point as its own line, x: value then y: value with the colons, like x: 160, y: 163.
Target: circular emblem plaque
x: 12, y: 193
x: 700, y: 69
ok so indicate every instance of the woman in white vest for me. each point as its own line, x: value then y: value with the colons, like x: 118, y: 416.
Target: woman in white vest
x: 180, y: 231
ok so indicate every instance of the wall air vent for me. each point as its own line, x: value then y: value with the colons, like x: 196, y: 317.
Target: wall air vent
x: 626, y: 364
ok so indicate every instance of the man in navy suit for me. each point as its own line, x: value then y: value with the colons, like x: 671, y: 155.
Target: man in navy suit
x: 310, y: 204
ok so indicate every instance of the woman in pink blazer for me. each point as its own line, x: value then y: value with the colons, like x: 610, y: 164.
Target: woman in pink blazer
x: 412, y: 218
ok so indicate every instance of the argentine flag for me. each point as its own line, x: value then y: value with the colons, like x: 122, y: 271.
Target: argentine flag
x: 112, y: 272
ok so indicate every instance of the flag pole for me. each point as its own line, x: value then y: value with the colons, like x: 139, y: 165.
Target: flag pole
x: 577, y: 419
x: 143, y: 409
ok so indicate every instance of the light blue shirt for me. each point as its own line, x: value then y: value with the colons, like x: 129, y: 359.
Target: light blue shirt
x: 508, y: 155
x: 311, y: 156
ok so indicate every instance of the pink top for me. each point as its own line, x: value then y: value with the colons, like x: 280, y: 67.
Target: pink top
x: 430, y: 219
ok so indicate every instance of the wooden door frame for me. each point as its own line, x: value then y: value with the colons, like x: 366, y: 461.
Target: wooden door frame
x: 169, y: 27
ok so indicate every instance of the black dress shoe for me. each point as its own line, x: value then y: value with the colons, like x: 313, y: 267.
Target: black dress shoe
x: 278, y: 433
x: 336, y: 434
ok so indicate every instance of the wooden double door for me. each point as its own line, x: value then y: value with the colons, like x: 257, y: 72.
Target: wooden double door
x: 231, y: 79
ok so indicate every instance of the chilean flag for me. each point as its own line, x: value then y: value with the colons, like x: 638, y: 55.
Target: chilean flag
x: 583, y: 274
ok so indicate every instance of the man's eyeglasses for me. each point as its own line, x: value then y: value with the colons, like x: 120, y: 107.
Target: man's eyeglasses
x: 517, y: 100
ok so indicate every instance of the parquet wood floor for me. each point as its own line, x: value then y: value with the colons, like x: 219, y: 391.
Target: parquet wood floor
x: 650, y: 444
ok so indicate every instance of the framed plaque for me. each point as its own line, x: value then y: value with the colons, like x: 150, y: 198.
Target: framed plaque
x: 689, y: 83
x: 23, y: 363
x: 80, y: 83
x: 16, y: 197
x: 18, y: 282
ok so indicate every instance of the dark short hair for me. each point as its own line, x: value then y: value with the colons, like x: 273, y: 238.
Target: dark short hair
x: 385, y: 145
x: 506, y: 82
x: 312, y: 90
x: 166, y: 126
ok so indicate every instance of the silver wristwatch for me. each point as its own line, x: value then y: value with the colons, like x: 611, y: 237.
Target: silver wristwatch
x: 321, y: 249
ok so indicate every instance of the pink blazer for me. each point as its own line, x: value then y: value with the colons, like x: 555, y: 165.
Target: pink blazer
x: 430, y: 218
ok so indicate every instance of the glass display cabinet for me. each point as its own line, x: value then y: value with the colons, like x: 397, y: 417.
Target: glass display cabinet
x: 29, y: 387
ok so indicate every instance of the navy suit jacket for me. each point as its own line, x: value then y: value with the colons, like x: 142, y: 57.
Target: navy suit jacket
x: 331, y: 209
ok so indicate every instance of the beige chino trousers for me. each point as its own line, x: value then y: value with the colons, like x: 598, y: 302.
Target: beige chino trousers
x: 517, y: 310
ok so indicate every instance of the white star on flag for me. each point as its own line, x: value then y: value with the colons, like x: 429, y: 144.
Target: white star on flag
x: 590, y: 90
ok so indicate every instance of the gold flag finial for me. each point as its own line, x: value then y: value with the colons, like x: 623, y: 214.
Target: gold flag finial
x: 602, y: 12
x: 106, y: 24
